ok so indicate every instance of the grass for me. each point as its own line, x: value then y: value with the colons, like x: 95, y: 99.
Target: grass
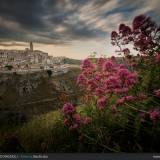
x: 43, y: 133
x: 47, y: 133
x: 36, y: 135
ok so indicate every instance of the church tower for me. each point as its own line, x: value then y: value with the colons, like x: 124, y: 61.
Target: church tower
x: 31, y: 46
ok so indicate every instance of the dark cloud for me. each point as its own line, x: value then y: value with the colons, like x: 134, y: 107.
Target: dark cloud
x: 27, y: 13
x: 62, y: 21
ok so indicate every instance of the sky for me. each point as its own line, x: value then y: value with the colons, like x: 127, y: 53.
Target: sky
x: 71, y: 28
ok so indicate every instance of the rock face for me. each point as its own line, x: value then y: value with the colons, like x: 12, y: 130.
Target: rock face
x: 14, y: 88
x: 25, y: 95
x: 26, y: 86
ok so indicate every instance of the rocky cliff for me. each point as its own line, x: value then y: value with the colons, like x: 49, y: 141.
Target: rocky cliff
x: 24, y: 95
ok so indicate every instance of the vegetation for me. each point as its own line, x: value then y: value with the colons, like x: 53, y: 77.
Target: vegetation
x: 49, y: 72
x: 120, y: 111
x: 123, y: 106
x: 9, y: 67
x: 71, y: 61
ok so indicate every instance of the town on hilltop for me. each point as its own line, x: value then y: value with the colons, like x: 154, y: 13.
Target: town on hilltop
x: 28, y: 59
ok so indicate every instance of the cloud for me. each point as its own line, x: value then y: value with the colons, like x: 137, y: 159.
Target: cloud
x: 64, y: 21
x: 12, y: 43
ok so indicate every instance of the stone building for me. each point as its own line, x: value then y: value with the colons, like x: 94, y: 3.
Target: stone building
x: 23, y: 58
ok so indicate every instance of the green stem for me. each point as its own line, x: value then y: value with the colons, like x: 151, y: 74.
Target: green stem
x: 106, y: 147
x: 135, y: 109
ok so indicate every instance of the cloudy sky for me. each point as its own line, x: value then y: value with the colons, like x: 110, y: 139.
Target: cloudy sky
x: 71, y: 28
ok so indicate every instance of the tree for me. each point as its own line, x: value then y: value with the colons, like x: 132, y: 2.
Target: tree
x: 49, y: 73
x: 9, y: 67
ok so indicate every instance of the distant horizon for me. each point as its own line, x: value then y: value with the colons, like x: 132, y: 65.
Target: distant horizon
x: 74, y: 29
x: 44, y: 48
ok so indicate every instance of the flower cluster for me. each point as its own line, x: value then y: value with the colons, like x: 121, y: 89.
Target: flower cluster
x: 124, y: 99
x: 72, y: 119
x: 157, y: 93
x: 157, y: 59
x: 101, y: 102
x: 105, y: 77
x: 143, y: 34
x: 68, y: 109
x: 154, y: 115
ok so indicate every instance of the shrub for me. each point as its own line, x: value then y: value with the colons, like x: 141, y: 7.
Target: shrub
x: 49, y: 72
x: 9, y: 67
x: 123, y: 104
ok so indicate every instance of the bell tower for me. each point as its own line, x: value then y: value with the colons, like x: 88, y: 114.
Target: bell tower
x: 31, y: 46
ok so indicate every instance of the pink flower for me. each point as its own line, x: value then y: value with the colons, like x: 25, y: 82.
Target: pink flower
x: 120, y: 101
x: 66, y: 122
x: 126, y: 51
x: 108, y: 66
x: 157, y: 92
x: 68, y: 109
x: 112, y: 82
x: 81, y: 79
x: 157, y: 59
x: 130, y: 98
x: 73, y: 127
x: 87, y: 63
x: 121, y: 90
x: 114, y: 35
x: 113, y: 59
x: 124, y: 30
x: 88, y: 72
x: 99, y: 92
x: 92, y: 85
x: 155, y: 115
x: 131, y: 79
x: 98, y: 76
x: 101, y: 102
x: 138, y: 21
x: 124, y: 99
x: 77, y: 118
x: 122, y: 66
x: 87, y: 120
x: 123, y: 73
x: 133, y: 64
x: 106, y: 77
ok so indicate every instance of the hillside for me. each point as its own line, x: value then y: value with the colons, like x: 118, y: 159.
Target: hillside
x: 24, y: 95
x: 72, y: 61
